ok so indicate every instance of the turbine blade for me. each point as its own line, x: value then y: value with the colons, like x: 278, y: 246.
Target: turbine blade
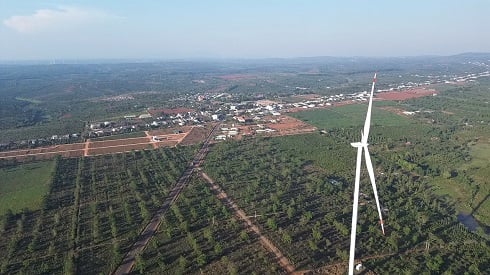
x: 354, y: 212
x: 367, y: 123
x: 370, y: 169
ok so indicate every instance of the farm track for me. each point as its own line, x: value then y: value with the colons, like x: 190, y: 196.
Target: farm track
x: 85, y: 148
x: 281, y: 259
x: 149, y: 137
x: 151, y: 228
x: 90, y: 148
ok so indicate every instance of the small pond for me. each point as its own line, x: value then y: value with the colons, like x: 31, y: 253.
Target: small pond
x: 471, y: 223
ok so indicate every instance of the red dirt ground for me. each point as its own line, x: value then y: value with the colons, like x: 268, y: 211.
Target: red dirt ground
x: 119, y: 149
x: 67, y: 115
x: 287, y: 125
x: 238, y: 76
x: 117, y: 142
x: 196, y: 135
x: 44, y: 150
x: 405, y: 94
x: 284, y: 125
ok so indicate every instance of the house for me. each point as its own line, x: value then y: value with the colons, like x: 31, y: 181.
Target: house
x: 220, y: 137
x: 143, y: 116
x: 155, y: 138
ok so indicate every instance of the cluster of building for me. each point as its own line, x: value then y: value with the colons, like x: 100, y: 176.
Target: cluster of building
x: 215, y: 106
x: 438, y: 79
x: 38, y: 142
x: 148, y: 120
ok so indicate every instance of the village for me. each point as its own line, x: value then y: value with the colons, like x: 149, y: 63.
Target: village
x: 246, y: 118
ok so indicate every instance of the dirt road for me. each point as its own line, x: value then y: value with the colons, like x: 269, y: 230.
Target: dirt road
x: 281, y: 259
x: 151, y: 228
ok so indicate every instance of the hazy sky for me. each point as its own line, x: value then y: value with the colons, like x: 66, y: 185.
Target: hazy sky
x: 36, y: 29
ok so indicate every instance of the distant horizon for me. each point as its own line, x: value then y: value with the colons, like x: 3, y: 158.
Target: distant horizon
x: 73, y: 61
x: 214, y: 29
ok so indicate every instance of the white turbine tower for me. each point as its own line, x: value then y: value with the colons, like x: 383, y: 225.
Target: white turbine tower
x: 363, y: 145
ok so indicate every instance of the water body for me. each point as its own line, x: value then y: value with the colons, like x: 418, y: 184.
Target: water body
x: 471, y: 223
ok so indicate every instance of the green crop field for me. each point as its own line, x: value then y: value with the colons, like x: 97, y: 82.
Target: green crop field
x: 477, y: 192
x: 349, y: 116
x: 24, y: 186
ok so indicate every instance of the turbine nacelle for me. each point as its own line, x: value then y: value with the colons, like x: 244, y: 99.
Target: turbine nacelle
x: 358, y: 144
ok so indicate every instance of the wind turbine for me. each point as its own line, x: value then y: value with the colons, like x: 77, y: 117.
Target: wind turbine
x: 363, y: 145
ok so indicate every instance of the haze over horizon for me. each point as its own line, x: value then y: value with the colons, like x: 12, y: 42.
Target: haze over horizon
x: 35, y: 30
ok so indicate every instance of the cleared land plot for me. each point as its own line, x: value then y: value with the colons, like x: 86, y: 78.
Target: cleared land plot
x: 25, y: 185
x: 405, y: 94
x: 43, y: 150
x: 110, y: 146
x: 121, y: 136
x: 285, y: 125
x: 350, y: 116
x: 196, y: 135
x: 119, y: 149
x: 117, y: 142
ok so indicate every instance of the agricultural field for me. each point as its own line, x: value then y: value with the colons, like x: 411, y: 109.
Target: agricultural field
x: 49, y: 152
x: 93, y: 211
x: 303, y: 202
x: 446, y: 140
x: 24, y: 186
x: 201, y: 236
x: 110, y: 145
x: 350, y: 116
x: 462, y: 114
x: 80, y: 215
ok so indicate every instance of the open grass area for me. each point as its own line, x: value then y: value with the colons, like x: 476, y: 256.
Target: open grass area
x: 24, y: 186
x: 349, y: 116
x: 473, y: 196
x: 480, y: 170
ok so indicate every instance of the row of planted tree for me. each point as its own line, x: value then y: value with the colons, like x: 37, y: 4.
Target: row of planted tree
x: 93, y: 212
